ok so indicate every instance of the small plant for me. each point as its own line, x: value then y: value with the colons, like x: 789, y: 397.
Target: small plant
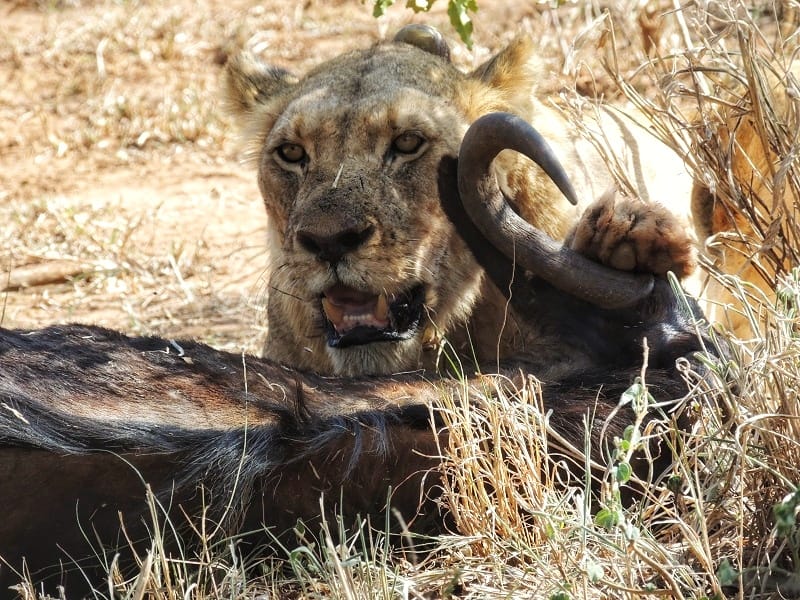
x: 458, y: 11
x: 612, y: 515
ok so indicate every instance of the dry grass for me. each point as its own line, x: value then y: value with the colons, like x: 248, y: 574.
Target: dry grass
x: 725, y: 522
x: 119, y: 182
x: 726, y: 100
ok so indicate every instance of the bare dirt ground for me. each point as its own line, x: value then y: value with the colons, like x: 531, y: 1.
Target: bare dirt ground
x: 123, y: 198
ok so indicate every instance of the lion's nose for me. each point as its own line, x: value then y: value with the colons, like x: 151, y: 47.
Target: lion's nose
x: 332, y: 248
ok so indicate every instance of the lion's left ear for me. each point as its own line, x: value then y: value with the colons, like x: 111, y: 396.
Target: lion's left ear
x: 511, y: 69
x: 250, y: 83
x: 506, y: 82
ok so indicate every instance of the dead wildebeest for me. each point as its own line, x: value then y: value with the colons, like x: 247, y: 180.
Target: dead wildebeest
x: 88, y: 416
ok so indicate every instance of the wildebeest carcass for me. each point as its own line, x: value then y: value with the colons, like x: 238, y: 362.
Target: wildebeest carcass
x: 89, y: 416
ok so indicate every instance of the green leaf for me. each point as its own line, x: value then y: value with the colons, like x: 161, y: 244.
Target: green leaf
x: 785, y: 513
x: 624, y: 472
x: 675, y: 484
x: 631, y: 532
x: 379, y: 7
x: 726, y: 574
x: 458, y: 11
x: 594, y: 572
x: 559, y: 596
x: 549, y: 530
x: 606, y: 518
x: 633, y: 393
x: 628, y: 433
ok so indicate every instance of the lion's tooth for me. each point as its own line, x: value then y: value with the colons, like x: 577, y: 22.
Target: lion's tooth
x: 430, y: 338
x: 381, y: 311
x: 334, y: 313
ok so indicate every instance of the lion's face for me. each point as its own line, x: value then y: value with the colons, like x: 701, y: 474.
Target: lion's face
x: 366, y: 269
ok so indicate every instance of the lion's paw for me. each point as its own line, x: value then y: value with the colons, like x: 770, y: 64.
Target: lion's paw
x: 631, y: 235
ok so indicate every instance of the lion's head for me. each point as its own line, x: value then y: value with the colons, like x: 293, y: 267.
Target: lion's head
x: 366, y: 269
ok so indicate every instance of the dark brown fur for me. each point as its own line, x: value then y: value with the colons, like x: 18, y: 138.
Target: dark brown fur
x: 88, y: 415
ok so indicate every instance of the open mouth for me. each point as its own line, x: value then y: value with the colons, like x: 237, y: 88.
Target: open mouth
x: 353, y: 317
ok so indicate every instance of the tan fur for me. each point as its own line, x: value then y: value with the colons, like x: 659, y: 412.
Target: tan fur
x: 345, y: 115
x: 747, y: 194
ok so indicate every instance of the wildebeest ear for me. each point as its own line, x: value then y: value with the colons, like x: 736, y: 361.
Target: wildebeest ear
x: 250, y: 82
x: 424, y: 37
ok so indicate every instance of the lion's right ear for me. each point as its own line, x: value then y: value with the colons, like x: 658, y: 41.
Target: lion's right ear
x: 425, y: 38
x: 250, y: 83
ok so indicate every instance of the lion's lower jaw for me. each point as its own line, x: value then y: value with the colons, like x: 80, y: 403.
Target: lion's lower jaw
x: 379, y: 358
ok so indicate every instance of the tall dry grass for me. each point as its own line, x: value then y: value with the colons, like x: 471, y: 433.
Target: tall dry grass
x: 719, y: 85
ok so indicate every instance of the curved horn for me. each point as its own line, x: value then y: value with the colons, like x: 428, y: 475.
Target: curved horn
x: 560, y: 266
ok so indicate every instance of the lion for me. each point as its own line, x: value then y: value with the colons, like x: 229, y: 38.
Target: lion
x: 367, y: 274
x: 745, y: 208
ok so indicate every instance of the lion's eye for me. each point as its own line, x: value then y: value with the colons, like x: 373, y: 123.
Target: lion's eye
x: 408, y: 143
x: 291, y: 153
